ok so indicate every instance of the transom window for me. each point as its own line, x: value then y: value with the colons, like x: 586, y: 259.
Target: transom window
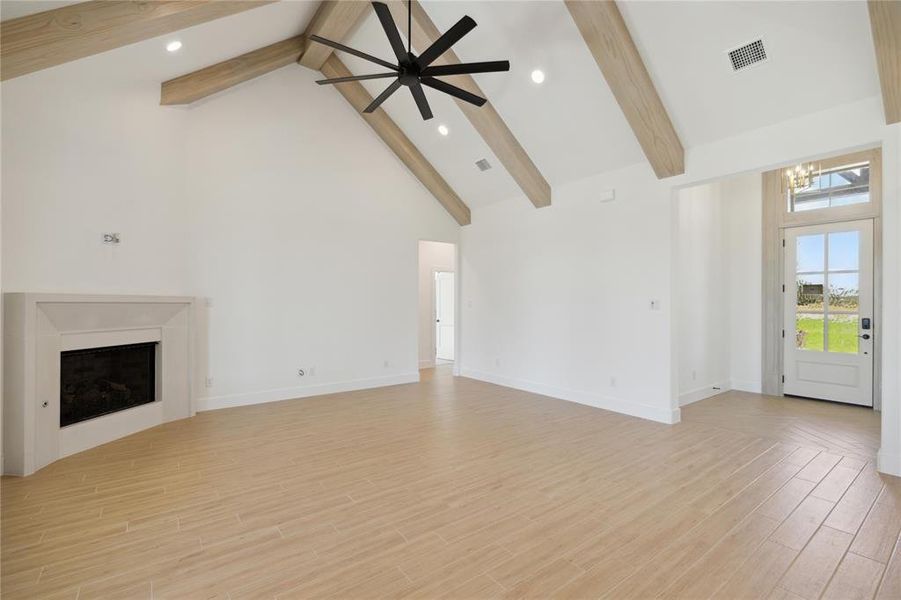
x: 841, y: 186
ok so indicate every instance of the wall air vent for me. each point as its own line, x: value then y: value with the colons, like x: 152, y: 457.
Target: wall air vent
x: 749, y: 54
x: 483, y: 164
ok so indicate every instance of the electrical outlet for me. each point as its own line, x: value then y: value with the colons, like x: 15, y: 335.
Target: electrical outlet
x: 694, y: 375
x: 209, y: 382
x: 655, y: 305
x: 387, y: 363
x: 311, y: 371
x: 613, y: 382
x: 497, y: 362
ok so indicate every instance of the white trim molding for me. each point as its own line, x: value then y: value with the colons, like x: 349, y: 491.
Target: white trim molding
x: 702, y: 393
x: 753, y: 387
x: 633, y: 409
x: 295, y: 393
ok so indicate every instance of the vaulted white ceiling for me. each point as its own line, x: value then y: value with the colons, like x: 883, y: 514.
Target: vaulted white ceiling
x: 821, y: 55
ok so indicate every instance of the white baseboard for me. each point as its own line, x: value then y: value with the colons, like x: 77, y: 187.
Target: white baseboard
x: 634, y: 409
x: 747, y: 386
x: 231, y: 400
x: 890, y: 464
x: 704, y: 392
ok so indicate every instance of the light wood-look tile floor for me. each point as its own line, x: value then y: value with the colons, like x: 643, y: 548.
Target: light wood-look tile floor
x: 454, y: 488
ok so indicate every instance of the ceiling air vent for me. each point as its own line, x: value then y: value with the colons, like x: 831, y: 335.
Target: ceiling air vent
x: 750, y: 54
x: 483, y: 164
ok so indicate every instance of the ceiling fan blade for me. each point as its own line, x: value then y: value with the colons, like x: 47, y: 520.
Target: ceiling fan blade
x: 350, y: 50
x: 355, y: 78
x: 421, y: 101
x: 467, y: 68
x: 443, y: 86
x: 450, y: 37
x: 383, y: 96
x: 384, y: 14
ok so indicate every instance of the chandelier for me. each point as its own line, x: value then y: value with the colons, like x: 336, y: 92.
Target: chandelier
x: 801, y: 176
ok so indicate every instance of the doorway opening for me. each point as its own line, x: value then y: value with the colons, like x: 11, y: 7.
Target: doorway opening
x: 437, y: 305
x: 822, y: 302
x: 726, y: 312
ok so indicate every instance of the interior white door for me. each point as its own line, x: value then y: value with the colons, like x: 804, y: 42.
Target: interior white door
x: 829, y: 325
x: 444, y: 315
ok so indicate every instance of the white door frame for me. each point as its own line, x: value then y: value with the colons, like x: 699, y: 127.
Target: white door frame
x: 855, y: 366
x: 776, y: 218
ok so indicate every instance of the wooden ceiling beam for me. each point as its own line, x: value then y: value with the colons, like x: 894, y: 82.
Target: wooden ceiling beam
x: 205, y: 82
x: 486, y: 120
x: 54, y: 37
x: 605, y: 32
x: 885, y: 21
x: 334, y: 20
x: 399, y: 143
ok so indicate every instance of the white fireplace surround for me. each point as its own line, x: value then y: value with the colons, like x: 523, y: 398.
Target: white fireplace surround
x: 38, y: 327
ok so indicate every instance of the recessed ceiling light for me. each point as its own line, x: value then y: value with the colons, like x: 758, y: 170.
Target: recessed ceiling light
x: 443, y: 130
x: 173, y: 46
x: 538, y: 76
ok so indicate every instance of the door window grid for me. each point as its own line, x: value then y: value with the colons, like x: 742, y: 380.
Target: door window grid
x: 830, y: 312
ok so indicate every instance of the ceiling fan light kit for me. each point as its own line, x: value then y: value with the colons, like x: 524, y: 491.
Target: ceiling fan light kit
x: 416, y: 71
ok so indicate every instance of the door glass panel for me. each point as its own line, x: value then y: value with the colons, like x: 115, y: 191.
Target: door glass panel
x: 843, y: 333
x: 809, y: 317
x: 811, y: 250
x: 844, y: 292
x: 844, y: 250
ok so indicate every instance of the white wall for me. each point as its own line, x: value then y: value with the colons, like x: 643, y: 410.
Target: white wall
x: 85, y: 155
x: 889, y: 459
x: 718, y: 287
x: 297, y: 223
x: 557, y: 300
x: 702, y: 293
x: 742, y: 198
x: 433, y: 256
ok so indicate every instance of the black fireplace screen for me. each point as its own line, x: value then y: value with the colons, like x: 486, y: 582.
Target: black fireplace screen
x: 99, y: 381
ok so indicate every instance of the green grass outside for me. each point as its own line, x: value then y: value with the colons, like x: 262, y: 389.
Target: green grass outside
x: 842, y: 333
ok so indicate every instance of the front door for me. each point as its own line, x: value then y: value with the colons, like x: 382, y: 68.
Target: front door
x: 829, y: 322
x: 444, y: 315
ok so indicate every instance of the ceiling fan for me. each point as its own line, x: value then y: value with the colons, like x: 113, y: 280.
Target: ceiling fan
x: 415, y: 71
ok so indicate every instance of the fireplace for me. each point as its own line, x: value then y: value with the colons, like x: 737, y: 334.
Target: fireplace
x: 100, y: 381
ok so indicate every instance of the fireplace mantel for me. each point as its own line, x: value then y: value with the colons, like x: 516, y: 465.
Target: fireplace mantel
x: 38, y: 327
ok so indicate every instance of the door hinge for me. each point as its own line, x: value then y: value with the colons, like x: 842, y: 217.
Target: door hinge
x: 783, y: 333
x: 783, y: 379
x: 783, y: 243
x: 783, y: 288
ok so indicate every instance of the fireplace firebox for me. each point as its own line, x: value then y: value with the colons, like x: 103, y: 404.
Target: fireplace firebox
x: 99, y: 381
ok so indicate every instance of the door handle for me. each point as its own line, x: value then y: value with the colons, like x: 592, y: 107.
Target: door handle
x: 865, y: 336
